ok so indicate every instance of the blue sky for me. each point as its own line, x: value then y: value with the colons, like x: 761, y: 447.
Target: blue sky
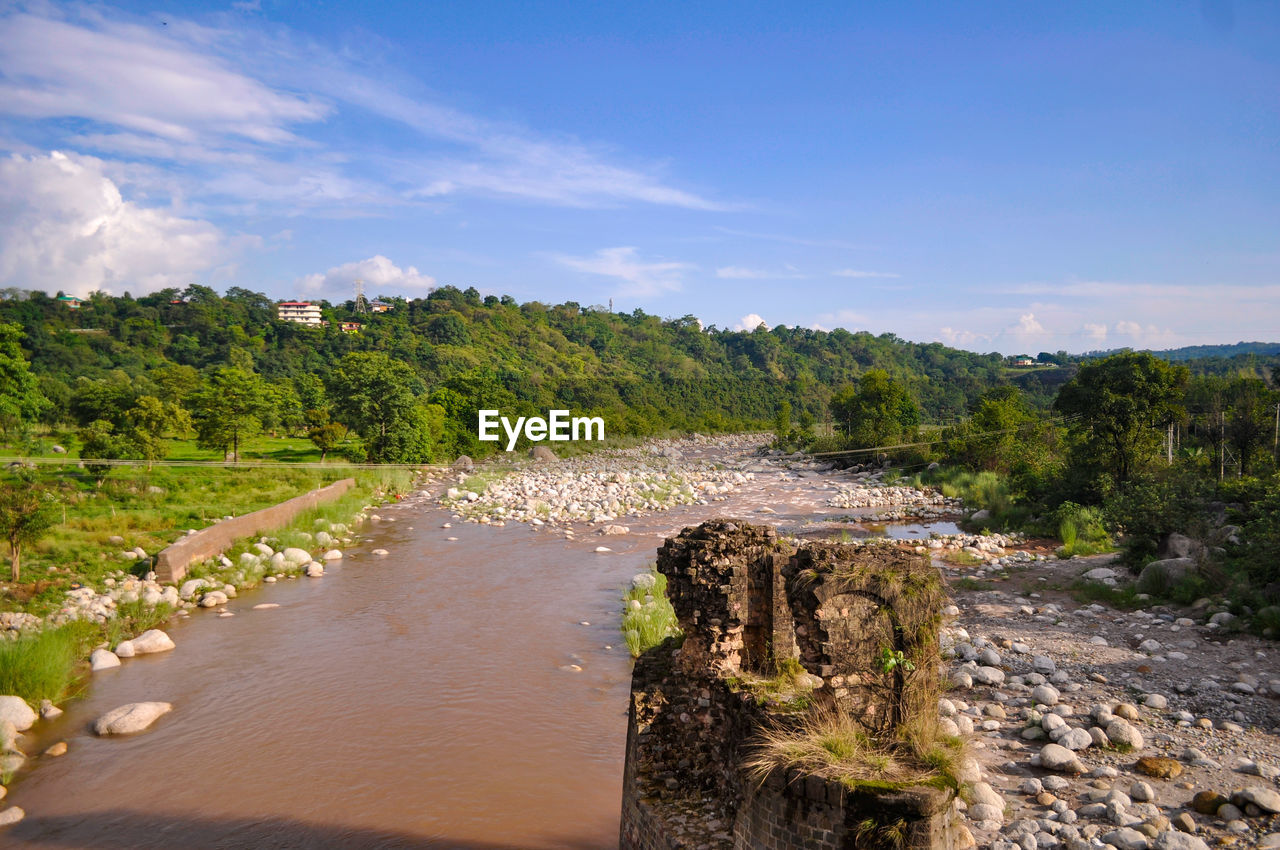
x: 998, y: 176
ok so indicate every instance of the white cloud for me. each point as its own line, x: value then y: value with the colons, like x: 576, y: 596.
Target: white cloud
x: 962, y: 338
x: 1095, y: 331
x: 622, y: 263
x: 744, y: 273
x: 64, y: 224
x: 863, y: 274
x: 1027, y: 328
x: 255, y: 104
x: 847, y: 319
x: 129, y: 76
x: 379, y: 274
x: 750, y: 322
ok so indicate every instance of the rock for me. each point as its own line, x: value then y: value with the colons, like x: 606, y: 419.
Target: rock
x: 1101, y: 574
x: 124, y: 649
x: 1208, y: 802
x: 1043, y: 665
x: 542, y: 453
x: 1158, y: 577
x: 58, y: 749
x: 1180, y: 546
x: 1059, y: 758
x: 212, y: 599
x: 189, y: 588
x: 463, y: 464
x: 131, y: 718
x: 1172, y: 840
x: 295, y: 556
x: 1122, y: 733
x: 1267, y: 799
x: 16, y: 711
x: 11, y: 815
x: 1126, y: 838
x: 115, y: 540
x: 8, y: 737
x: 1045, y: 695
x: 1161, y: 767
x: 1142, y: 792
x: 1157, y: 701
x: 1150, y: 646
x: 989, y: 676
x: 986, y: 812
x: 152, y: 640
x: 1184, y: 822
x: 315, y: 570
x: 380, y: 552
x: 1125, y: 710
x: 603, y: 549
x: 103, y: 659
x: 266, y: 606
x: 1075, y: 739
x: 980, y: 516
x: 981, y: 792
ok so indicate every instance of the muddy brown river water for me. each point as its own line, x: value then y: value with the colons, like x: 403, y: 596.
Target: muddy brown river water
x: 460, y: 694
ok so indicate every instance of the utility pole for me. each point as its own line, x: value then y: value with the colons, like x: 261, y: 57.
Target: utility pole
x: 1222, y: 445
x: 1169, y: 446
x: 1275, y: 441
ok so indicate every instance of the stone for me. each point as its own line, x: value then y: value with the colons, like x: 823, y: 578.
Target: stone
x: 1101, y: 574
x: 1126, y: 838
x: 1125, y: 710
x: 1142, y: 792
x: 266, y: 606
x: 1043, y: 665
x: 1208, y: 802
x: 333, y: 555
x: 124, y: 649
x: 1158, y: 577
x: 989, y: 676
x: 16, y: 711
x: 1059, y: 758
x: 58, y: 749
x: 985, y: 812
x: 315, y: 570
x: 1172, y: 840
x: 131, y: 718
x: 982, y: 792
x: 1122, y: 733
x: 1184, y: 822
x: 8, y: 737
x: 1157, y: 701
x: 1267, y: 799
x: 103, y: 659
x: 213, y: 599
x: 1161, y: 767
x: 1076, y: 739
x: 380, y: 552
x: 188, y: 588
x: 152, y: 640
x: 1045, y: 695
x: 295, y: 556
x: 11, y: 815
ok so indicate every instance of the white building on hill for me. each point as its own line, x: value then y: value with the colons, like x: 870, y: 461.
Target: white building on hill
x: 302, y: 312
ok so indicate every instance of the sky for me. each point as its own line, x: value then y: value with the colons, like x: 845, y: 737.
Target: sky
x: 998, y: 176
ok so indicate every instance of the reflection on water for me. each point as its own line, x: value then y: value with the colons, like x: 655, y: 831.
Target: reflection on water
x: 918, y: 530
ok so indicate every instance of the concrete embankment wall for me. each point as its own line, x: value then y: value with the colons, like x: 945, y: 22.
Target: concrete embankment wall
x: 171, y: 563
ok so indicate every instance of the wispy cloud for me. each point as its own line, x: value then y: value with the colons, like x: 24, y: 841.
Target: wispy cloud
x: 623, y: 264
x: 745, y: 273
x: 788, y: 239
x: 862, y: 274
x: 257, y: 104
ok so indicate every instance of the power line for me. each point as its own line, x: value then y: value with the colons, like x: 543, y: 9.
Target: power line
x: 1058, y: 420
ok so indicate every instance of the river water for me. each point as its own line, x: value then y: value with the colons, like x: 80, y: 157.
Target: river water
x: 424, y: 699
x: 466, y: 693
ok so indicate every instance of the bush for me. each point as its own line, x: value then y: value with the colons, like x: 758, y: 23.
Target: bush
x: 1081, y: 530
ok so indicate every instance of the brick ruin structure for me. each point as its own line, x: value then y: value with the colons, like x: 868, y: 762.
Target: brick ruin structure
x: 750, y: 604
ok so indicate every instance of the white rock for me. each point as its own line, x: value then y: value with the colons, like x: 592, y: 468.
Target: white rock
x: 1076, y: 739
x: 1142, y: 792
x: 1126, y: 838
x: 1175, y: 840
x: 16, y: 711
x: 1123, y: 733
x: 103, y: 659
x: 333, y: 555
x: 11, y: 815
x: 380, y: 552
x: 266, y: 606
x: 1043, y: 665
x: 152, y: 640
x: 295, y: 556
x: 603, y: 549
x: 989, y: 676
x: 1059, y: 758
x: 213, y: 599
x: 1045, y: 695
x: 315, y: 570
x: 189, y: 587
x: 124, y: 649
x: 131, y: 718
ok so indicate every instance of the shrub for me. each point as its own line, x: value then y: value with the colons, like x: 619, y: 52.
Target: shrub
x: 647, y: 616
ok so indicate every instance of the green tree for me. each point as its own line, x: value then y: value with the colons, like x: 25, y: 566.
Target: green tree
x: 99, y: 441
x: 327, y: 437
x: 376, y: 397
x: 228, y: 409
x: 26, y: 513
x: 1119, y: 406
x: 150, y: 421
x: 20, y: 399
x: 877, y: 411
x: 782, y: 423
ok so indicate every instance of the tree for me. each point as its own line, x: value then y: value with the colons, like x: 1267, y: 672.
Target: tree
x: 26, y: 513
x: 996, y: 436
x: 375, y: 396
x: 327, y: 437
x: 782, y: 423
x: 1120, y: 406
x: 228, y: 409
x: 877, y: 411
x: 99, y: 441
x: 150, y: 420
x: 20, y: 399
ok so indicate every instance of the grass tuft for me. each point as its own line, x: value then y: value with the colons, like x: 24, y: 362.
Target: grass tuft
x: 647, y: 616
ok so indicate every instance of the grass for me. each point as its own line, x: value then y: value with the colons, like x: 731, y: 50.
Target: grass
x: 647, y: 616
x: 1121, y: 598
x: 789, y: 689
x: 1081, y: 531
x: 42, y: 665
x: 970, y: 583
x: 834, y: 745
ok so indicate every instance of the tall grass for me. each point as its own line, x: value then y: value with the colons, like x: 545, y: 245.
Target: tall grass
x: 42, y: 665
x: 647, y: 616
x: 1081, y: 531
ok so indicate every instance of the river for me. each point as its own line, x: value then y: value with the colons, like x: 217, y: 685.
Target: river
x: 466, y: 693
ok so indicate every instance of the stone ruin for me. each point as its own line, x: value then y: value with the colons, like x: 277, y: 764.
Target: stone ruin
x: 750, y: 604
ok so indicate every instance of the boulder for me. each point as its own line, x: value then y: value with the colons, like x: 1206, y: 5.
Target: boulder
x: 1123, y: 733
x: 124, y: 649
x: 1101, y: 574
x: 8, y: 738
x: 1174, y: 840
x: 131, y: 718
x: 1075, y: 739
x: 152, y: 640
x: 542, y: 453
x: 212, y: 599
x: 1181, y: 546
x: 189, y: 588
x: 1158, y: 577
x: 1060, y: 759
x: 103, y: 659
x: 1267, y: 799
x: 16, y: 711
x: 980, y: 516
x: 333, y: 555
x: 295, y: 556
x: 463, y: 464
x: 315, y: 569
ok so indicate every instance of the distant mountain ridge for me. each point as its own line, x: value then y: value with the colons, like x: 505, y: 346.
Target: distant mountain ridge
x: 1197, y: 352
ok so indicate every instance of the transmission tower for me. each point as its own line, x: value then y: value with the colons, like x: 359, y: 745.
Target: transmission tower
x: 362, y: 303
